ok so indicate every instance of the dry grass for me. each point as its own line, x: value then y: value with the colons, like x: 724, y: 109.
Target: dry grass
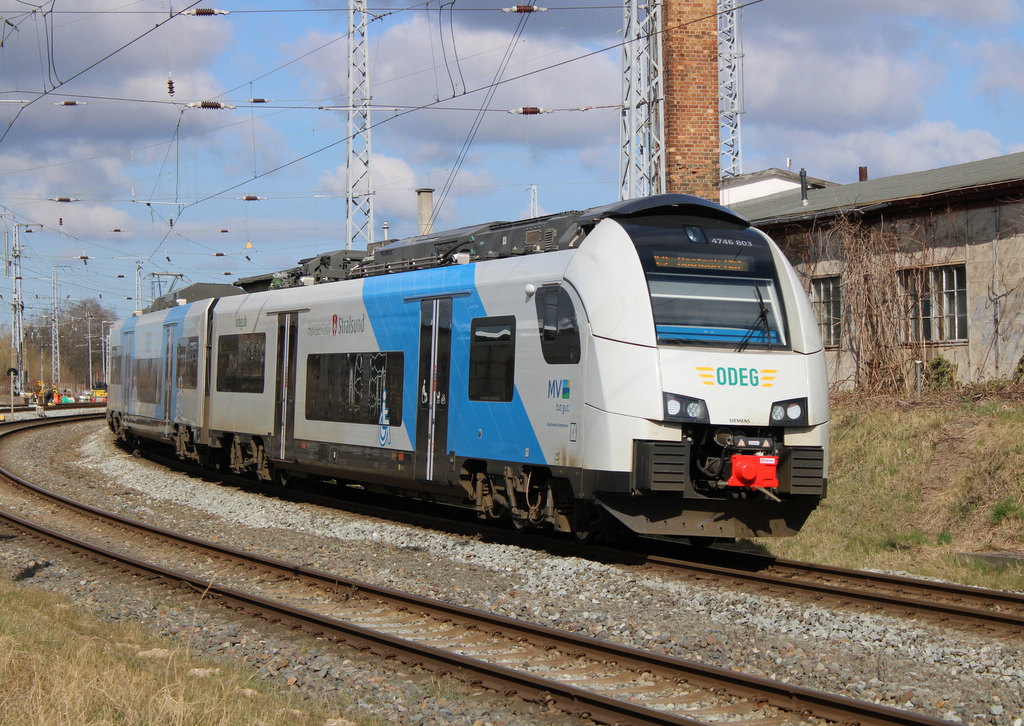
x: 914, y: 483
x: 61, y: 666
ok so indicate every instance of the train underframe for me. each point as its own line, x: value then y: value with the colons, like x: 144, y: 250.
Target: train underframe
x: 676, y: 489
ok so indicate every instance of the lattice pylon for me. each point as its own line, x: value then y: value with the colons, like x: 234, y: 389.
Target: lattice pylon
x: 730, y: 87
x: 641, y: 135
x: 359, y: 226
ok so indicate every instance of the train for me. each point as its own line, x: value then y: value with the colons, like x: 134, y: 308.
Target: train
x: 651, y: 366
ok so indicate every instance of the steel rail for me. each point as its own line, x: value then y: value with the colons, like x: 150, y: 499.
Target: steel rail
x: 569, y: 698
x: 746, y: 568
x: 1011, y: 622
x: 791, y: 698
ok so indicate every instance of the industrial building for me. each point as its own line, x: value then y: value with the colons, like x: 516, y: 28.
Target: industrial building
x: 912, y: 276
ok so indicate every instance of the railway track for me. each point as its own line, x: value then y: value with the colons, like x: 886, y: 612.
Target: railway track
x: 604, y: 681
x: 980, y: 611
x: 24, y: 408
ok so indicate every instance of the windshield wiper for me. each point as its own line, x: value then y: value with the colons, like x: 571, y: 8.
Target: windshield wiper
x: 762, y: 319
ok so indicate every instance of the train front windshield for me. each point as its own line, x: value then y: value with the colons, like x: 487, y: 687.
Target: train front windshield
x: 710, y: 286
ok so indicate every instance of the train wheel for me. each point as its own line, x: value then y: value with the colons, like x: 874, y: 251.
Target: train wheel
x: 584, y: 536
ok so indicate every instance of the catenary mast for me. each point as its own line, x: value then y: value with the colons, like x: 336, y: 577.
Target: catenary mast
x: 641, y: 135
x: 730, y: 80
x: 681, y: 89
x: 359, y: 226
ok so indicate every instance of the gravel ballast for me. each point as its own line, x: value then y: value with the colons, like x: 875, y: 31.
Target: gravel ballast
x: 921, y: 667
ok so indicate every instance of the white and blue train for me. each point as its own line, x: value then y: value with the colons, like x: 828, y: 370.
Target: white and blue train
x: 652, y: 365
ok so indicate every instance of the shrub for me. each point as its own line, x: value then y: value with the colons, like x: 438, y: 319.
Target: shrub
x: 941, y: 373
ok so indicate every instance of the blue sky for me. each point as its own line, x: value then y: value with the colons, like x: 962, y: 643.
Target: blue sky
x: 896, y: 86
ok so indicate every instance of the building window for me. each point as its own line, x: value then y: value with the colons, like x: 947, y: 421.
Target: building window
x: 828, y: 308
x: 936, y: 303
x: 492, y: 359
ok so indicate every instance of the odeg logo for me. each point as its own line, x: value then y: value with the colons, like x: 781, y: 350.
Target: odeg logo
x: 729, y: 376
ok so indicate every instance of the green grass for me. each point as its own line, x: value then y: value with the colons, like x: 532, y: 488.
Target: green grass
x: 1006, y: 508
x: 912, y: 484
x: 61, y: 665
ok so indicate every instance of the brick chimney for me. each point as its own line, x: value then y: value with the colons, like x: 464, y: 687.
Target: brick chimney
x: 689, y: 49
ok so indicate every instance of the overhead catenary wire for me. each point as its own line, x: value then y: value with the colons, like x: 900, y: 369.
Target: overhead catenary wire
x: 478, y: 119
x: 88, y: 68
x: 435, y: 106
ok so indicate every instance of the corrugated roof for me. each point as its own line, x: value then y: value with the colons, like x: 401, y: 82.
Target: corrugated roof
x: 773, y: 173
x: 859, y: 195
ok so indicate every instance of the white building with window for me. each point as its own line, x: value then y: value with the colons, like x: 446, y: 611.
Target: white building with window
x: 912, y: 271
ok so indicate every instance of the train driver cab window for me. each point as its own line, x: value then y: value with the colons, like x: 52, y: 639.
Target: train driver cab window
x: 559, y: 331
x: 492, y: 359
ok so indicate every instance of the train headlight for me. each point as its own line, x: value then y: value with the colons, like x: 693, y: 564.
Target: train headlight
x: 789, y: 413
x: 685, y: 408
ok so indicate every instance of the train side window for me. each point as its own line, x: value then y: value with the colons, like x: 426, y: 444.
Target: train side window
x: 492, y: 359
x: 115, y: 366
x: 559, y: 329
x: 361, y: 388
x: 240, y: 360
x: 146, y: 387
x: 188, y: 362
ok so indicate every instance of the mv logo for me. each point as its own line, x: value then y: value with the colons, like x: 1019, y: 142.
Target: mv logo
x: 558, y: 389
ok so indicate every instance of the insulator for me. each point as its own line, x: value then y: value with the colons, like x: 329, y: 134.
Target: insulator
x: 170, y: 86
x: 60, y: 221
x: 218, y: 254
x: 257, y: 100
x: 210, y: 104
x: 524, y: 9
x: 250, y: 198
x: 529, y: 110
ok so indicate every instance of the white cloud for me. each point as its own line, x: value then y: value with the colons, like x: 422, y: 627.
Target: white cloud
x: 849, y: 19
x: 925, y: 145
x: 1001, y: 62
x: 409, y: 69
x: 803, y: 86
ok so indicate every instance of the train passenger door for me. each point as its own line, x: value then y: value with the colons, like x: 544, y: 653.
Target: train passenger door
x: 169, y: 382
x: 128, y: 372
x: 284, y: 410
x: 432, y: 388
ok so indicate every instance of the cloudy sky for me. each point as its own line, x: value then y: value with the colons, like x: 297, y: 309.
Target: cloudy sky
x: 897, y: 86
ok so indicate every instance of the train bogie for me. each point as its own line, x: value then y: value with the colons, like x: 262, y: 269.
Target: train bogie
x: 652, y: 365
